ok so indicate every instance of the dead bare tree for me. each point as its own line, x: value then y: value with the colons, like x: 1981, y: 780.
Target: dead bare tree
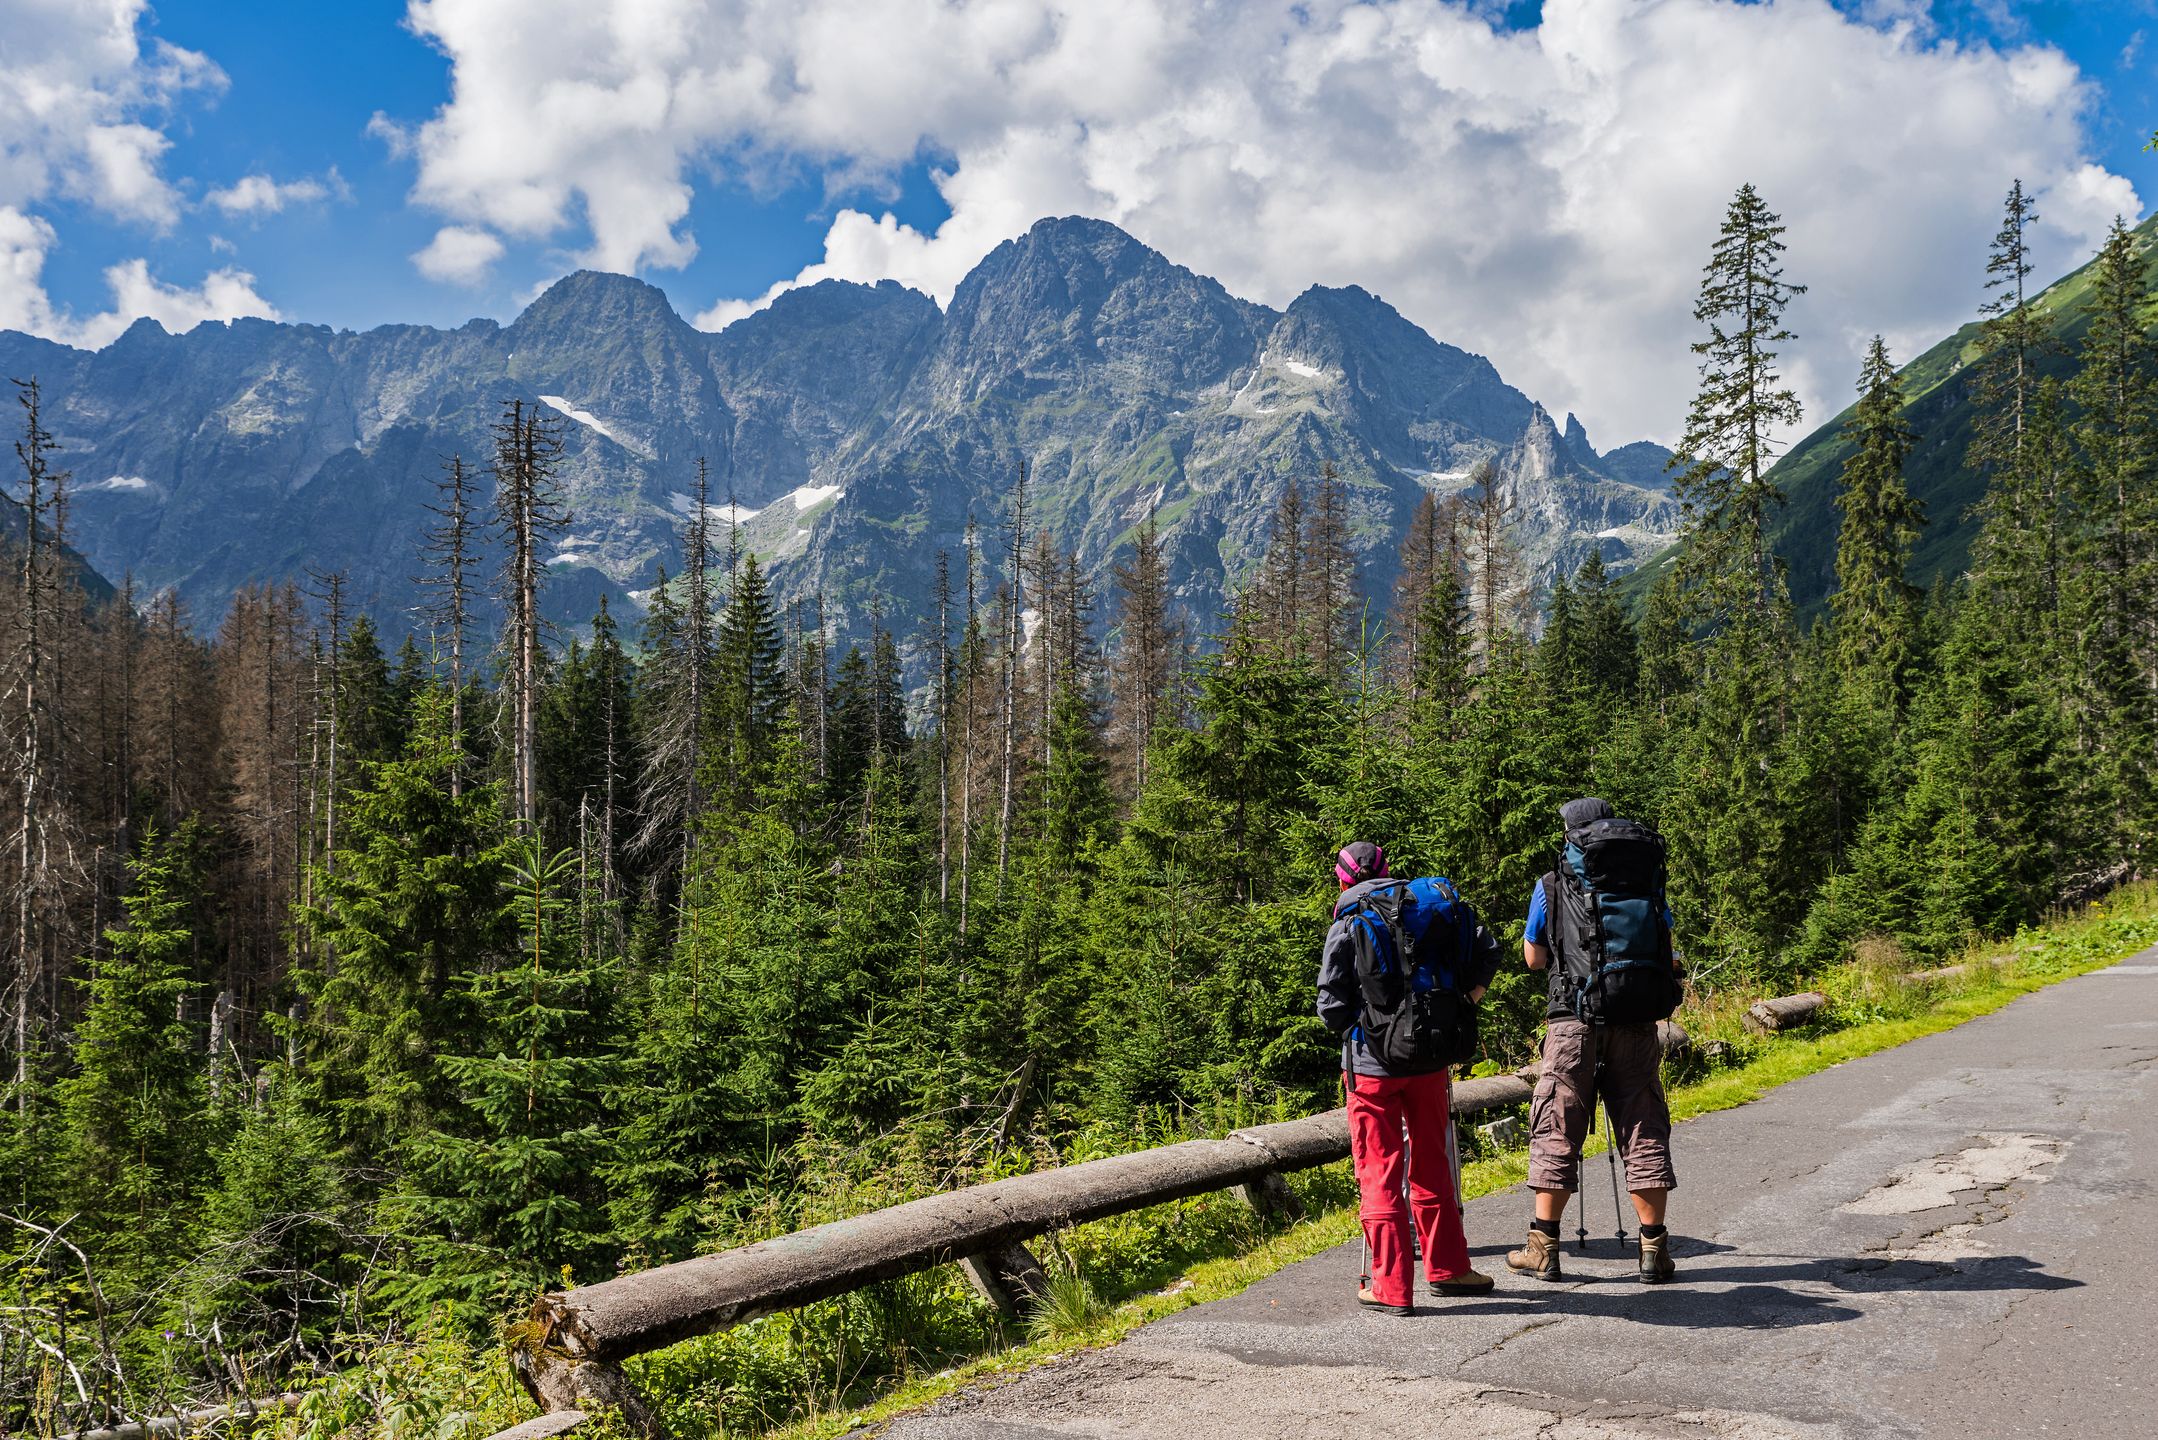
x: 1498, y: 592
x: 46, y: 864
x: 1148, y: 644
x: 329, y: 669
x: 969, y: 653
x: 448, y: 549
x: 529, y: 517
x: 943, y: 702
x: 678, y: 677
x: 1015, y: 553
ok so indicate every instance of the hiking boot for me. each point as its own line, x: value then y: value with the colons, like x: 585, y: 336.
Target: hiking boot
x: 1656, y: 1266
x: 1372, y: 1302
x: 1466, y: 1284
x: 1540, y: 1257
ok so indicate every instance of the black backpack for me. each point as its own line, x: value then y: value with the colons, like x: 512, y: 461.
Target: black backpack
x: 1414, y: 940
x: 1609, y: 936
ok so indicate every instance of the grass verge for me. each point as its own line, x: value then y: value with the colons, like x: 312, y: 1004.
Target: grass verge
x: 1872, y: 1013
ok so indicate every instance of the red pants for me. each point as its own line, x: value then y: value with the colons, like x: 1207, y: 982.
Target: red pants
x: 1377, y: 1108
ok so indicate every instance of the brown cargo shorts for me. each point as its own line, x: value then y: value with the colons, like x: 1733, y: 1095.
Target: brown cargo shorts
x: 1565, y: 1104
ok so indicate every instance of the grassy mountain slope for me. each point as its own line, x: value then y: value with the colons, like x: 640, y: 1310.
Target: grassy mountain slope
x: 1941, y: 409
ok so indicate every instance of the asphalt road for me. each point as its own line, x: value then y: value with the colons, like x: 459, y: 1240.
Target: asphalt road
x: 1951, y: 1238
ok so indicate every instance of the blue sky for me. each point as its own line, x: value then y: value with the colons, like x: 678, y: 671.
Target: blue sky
x: 1533, y: 181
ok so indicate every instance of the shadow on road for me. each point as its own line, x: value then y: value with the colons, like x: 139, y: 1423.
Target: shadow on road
x: 1871, y: 1273
x: 1749, y: 1292
x: 1743, y: 1307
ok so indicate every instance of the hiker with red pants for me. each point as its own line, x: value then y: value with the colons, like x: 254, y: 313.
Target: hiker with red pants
x: 1404, y: 965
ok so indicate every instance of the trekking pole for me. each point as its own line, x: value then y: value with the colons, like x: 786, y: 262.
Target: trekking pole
x: 1611, y: 1153
x: 1416, y: 1237
x: 1363, y: 1281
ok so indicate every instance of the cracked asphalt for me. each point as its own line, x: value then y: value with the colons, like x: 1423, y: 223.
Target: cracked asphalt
x: 1945, y: 1239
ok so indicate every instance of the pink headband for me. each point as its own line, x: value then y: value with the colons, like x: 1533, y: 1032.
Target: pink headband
x: 1349, y: 869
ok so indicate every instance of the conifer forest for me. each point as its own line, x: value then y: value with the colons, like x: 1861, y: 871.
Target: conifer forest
x: 363, y: 985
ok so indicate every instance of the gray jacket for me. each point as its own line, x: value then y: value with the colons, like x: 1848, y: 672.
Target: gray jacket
x: 1341, y: 1000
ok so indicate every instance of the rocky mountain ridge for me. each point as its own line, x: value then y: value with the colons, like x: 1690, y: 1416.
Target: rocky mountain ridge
x: 853, y: 430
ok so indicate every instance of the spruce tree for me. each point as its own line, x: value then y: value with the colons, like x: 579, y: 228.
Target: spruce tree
x: 587, y: 749
x: 708, y: 1082
x: 1274, y: 607
x: 1730, y: 437
x: 751, y: 687
x: 132, y: 1113
x: 1443, y: 647
x: 1329, y: 567
x: 1423, y: 547
x: 1014, y: 639
x: 2113, y: 559
x: 1558, y: 651
x: 1608, y: 644
x: 2012, y: 341
x: 284, y: 1250
x: 502, y: 1190
x: 1874, y: 605
x: 42, y: 851
x: 1498, y: 587
x: 677, y: 695
x: 410, y: 903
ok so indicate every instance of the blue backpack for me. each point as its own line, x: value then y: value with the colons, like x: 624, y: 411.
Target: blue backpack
x: 1414, y: 939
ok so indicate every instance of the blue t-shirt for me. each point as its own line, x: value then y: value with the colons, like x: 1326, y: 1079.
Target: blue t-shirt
x: 1538, y: 917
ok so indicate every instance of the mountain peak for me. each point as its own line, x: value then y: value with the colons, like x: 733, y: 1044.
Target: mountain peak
x: 831, y: 301
x: 600, y: 298
x: 1070, y: 254
x: 144, y: 331
x: 1577, y: 437
x: 1083, y: 229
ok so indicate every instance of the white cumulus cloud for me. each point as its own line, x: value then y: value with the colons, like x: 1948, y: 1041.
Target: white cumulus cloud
x: 82, y: 102
x: 1545, y: 197
x: 458, y: 255
x: 260, y: 195
x: 25, y: 241
x: 78, y: 93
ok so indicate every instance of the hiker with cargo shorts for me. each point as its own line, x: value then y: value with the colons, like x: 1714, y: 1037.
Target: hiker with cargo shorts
x: 1404, y: 964
x: 1598, y: 925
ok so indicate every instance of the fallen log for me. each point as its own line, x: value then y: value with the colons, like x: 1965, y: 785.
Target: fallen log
x: 644, y: 1311
x: 1953, y: 972
x: 570, y: 1352
x: 162, y: 1426
x: 1766, y: 1017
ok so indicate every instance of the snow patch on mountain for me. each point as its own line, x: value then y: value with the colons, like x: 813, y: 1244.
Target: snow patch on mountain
x: 809, y: 497
x: 724, y: 514
x: 592, y: 422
